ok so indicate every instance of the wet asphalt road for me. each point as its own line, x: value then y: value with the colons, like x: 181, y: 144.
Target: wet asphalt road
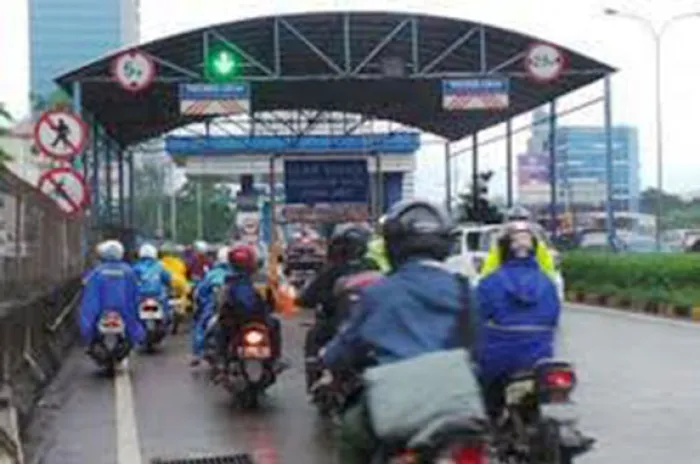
x: 639, y: 395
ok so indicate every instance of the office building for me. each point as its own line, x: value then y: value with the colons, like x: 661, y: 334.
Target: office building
x: 65, y: 34
x: 580, y: 168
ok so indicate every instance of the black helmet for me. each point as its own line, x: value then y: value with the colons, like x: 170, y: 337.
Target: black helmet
x: 348, y: 242
x: 417, y: 228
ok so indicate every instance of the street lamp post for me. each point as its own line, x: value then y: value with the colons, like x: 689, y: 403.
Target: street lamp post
x: 657, y: 35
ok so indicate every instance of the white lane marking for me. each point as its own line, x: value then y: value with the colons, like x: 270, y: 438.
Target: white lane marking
x: 128, y: 446
x: 634, y: 316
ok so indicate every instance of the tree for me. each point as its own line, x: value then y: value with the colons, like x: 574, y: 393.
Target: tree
x: 669, y: 202
x: 5, y: 119
x: 485, y: 212
x: 218, y: 217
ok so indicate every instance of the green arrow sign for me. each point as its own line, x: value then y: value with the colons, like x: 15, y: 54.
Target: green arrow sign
x: 222, y: 63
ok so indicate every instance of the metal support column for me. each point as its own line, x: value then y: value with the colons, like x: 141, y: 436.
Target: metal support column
x: 379, y: 184
x: 173, y: 206
x: 78, y: 109
x: 448, y: 177
x: 120, y: 175
x: 132, y: 189
x: 509, y: 162
x: 200, y: 210
x: 95, y: 187
x: 109, y: 146
x: 273, y: 201
x: 475, y: 172
x: 609, y: 216
x: 553, y: 166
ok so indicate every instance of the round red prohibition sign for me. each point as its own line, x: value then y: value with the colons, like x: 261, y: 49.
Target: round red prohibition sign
x: 67, y: 188
x: 60, y: 134
x: 134, y: 70
x: 545, y: 62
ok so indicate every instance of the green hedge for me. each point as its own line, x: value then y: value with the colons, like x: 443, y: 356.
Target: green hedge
x: 651, y: 277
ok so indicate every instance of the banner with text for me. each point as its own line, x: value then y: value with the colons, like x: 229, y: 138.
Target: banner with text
x: 326, y: 190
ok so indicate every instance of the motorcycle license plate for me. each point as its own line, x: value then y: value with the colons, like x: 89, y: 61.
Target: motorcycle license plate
x: 151, y: 315
x: 560, y: 412
x: 516, y: 391
x: 254, y: 352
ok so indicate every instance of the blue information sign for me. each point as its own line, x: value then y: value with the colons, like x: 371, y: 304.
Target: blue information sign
x: 329, y: 181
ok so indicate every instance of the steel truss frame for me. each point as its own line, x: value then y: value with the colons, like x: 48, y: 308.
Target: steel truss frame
x: 366, y: 67
x: 297, y: 123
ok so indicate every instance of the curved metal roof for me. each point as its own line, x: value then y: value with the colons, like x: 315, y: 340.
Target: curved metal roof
x: 334, y: 61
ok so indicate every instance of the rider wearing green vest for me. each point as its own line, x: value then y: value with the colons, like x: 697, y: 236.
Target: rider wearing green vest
x: 542, y: 254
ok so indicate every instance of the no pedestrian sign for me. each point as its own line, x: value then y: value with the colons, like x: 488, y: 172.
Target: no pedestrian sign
x: 60, y: 134
x: 67, y: 188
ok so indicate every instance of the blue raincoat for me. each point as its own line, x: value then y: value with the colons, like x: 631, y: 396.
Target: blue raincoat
x: 519, y: 312
x: 111, y: 285
x: 154, y: 281
x: 206, y: 303
x: 418, y: 309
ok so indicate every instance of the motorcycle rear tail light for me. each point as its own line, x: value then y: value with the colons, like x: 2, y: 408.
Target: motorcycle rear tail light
x: 254, y: 337
x: 557, y: 384
x: 470, y: 455
x: 559, y: 379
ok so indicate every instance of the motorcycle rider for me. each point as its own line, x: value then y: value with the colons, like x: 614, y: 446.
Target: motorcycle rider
x: 154, y: 280
x: 376, y: 249
x: 345, y: 256
x: 177, y: 268
x: 519, y: 313
x: 205, y: 298
x: 417, y: 309
x: 543, y: 257
x: 111, y: 286
x: 239, y: 301
x: 200, y: 262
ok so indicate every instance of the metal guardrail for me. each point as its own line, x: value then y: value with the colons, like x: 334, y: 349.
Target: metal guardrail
x: 40, y: 247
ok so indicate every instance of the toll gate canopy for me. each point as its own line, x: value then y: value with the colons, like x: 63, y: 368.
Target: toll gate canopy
x: 386, y: 66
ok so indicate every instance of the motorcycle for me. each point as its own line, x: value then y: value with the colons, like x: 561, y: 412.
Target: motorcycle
x: 538, y: 424
x: 446, y: 440
x: 251, y: 371
x: 112, y: 346
x: 152, y: 316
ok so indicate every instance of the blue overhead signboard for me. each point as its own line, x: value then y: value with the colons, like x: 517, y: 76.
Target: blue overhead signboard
x: 391, y: 143
x: 486, y: 93
x: 312, y: 182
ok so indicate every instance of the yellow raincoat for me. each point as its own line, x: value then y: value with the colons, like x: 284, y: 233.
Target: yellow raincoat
x: 178, y: 273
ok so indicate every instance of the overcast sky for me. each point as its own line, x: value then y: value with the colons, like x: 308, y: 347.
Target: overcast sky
x: 577, y: 24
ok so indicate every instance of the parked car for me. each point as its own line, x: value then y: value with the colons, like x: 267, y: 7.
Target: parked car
x: 471, y: 244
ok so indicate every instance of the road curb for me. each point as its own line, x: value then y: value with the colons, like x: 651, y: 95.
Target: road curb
x: 647, y: 308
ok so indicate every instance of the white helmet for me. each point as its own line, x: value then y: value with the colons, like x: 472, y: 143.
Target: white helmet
x: 111, y: 250
x: 200, y: 246
x: 222, y: 255
x: 148, y: 251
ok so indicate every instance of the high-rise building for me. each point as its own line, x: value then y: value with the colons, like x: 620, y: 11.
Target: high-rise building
x: 580, y: 168
x: 67, y: 33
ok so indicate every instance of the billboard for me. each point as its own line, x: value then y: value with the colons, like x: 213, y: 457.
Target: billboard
x: 533, y: 169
